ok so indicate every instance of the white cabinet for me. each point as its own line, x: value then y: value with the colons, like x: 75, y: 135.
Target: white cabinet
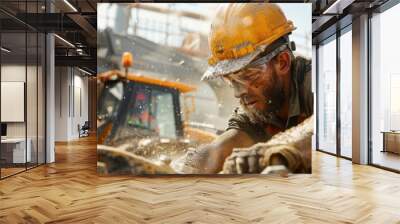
x: 18, y: 149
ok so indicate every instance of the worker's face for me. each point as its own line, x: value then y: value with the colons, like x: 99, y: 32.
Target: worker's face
x: 260, y: 91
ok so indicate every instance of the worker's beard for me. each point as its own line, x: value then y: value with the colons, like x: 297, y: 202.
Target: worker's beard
x: 274, y: 98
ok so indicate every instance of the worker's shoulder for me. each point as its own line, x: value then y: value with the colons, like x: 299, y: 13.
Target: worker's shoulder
x: 301, y: 70
x: 305, y: 62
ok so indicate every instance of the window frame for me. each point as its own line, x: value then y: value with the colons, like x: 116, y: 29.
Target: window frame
x: 334, y: 37
x: 379, y: 10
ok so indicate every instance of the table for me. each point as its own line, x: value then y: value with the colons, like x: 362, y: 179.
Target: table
x: 391, y: 141
x: 13, y: 150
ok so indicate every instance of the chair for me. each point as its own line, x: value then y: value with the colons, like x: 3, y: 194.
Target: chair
x: 84, y: 130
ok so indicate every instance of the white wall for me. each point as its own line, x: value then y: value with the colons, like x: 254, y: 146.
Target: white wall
x: 80, y: 97
x: 61, y: 103
x: 71, y: 94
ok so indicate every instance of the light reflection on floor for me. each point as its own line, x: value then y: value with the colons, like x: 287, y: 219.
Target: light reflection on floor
x: 386, y: 159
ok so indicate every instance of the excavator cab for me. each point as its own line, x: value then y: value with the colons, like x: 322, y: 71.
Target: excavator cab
x: 140, y: 106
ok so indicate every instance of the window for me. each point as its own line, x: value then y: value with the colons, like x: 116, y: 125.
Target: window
x: 152, y: 109
x: 139, y: 114
x: 385, y: 86
x: 346, y: 94
x: 112, y: 97
x: 327, y: 96
x: 394, y: 102
x: 163, y: 110
x: 22, y: 74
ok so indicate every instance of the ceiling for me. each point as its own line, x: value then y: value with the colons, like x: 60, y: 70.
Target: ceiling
x: 76, y: 22
x: 332, y: 15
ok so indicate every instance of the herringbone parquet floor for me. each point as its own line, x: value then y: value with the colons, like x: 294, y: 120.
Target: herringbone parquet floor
x: 70, y: 191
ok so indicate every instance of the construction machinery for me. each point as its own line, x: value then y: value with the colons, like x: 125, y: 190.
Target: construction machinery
x: 141, y: 122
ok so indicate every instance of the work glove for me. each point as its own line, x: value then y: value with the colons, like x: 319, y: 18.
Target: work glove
x: 290, y: 150
x: 243, y: 160
x: 261, y: 158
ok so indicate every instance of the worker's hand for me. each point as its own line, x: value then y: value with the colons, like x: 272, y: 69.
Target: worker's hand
x: 264, y: 158
x: 244, y: 160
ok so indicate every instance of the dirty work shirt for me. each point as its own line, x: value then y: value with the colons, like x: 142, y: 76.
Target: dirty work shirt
x: 300, y: 104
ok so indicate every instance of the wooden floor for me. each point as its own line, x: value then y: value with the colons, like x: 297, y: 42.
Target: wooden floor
x: 70, y: 191
x: 387, y: 159
x: 10, y: 171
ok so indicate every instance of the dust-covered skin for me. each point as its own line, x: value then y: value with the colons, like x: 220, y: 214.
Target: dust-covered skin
x: 262, y: 99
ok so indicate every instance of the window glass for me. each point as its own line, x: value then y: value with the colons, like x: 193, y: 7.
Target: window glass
x: 139, y: 115
x: 112, y: 97
x: 15, y: 147
x: 163, y: 110
x: 22, y: 76
x: 385, y: 88
x: 345, y: 94
x: 32, y: 97
x: 152, y: 109
x: 327, y: 97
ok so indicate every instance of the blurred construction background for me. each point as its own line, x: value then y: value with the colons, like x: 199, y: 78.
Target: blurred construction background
x: 169, y: 41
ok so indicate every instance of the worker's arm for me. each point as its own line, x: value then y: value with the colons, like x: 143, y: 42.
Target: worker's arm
x: 209, y: 159
x: 291, y: 148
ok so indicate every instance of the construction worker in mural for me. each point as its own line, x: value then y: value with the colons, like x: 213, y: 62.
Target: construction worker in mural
x: 251, y: 52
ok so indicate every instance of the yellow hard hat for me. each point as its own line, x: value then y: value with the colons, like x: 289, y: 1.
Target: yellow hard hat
x: 240, y: 32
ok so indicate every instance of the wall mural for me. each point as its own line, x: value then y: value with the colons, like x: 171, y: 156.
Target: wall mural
x: 204, y: 88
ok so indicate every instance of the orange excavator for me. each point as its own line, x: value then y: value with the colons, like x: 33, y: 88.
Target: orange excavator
x: 140, y: 122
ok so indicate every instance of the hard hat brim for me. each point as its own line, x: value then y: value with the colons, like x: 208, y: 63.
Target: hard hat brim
x: 225, y: 67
